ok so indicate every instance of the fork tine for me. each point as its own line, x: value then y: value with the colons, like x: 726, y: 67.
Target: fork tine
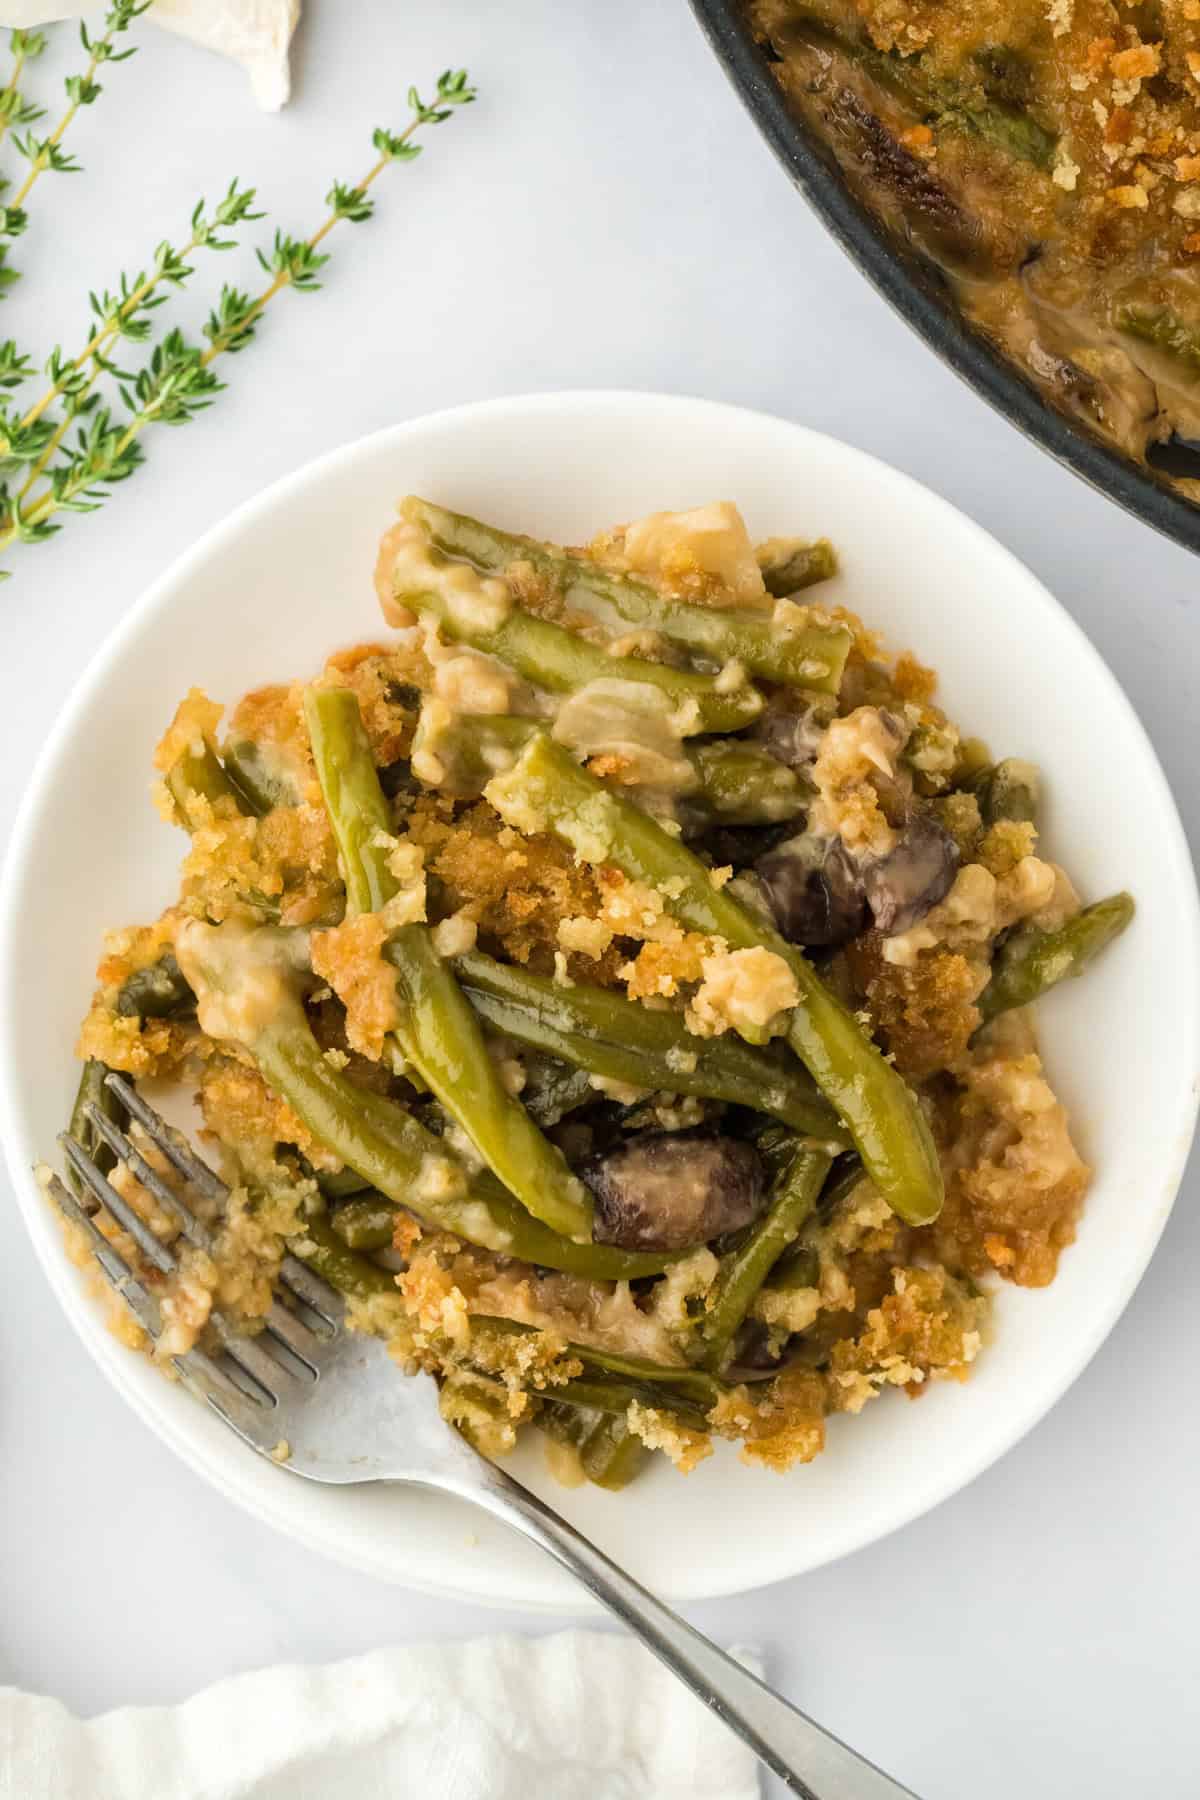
x: 155, y: 1252
x: 294, y: 1336
x: 111, y: 1262
x: 291, y: 1331
x: 315, y: 1292
x: 173, y: 1148
x: 140, y: 1303
x: 262, y: 1370
x: 254, y: 1362
x: 311, y: 1289
x: 127, y: 1152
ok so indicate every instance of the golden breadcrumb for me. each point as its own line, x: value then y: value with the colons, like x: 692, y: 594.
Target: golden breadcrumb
x: 1015, y: 1182
x: 923, y: 1014
x: 348, y: 957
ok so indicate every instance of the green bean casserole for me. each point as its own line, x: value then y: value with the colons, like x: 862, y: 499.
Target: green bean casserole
x: 1044, y: 156
x: 616, y: 979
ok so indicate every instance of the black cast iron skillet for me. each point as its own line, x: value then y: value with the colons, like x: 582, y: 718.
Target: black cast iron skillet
x: 920, y: 297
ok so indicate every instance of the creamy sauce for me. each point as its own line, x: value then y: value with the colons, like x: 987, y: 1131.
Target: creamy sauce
x: 856, y: 766
x: 412, y: 571
x: 709, y: 540
x: 980, y: 904
x: 633, y: 724
x: 240, y: 991
x: 747, y: 991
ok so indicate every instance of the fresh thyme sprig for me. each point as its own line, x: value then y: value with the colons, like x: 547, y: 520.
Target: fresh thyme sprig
x: 82, y: 90
x: 14, y: 367
x: 14, y: 110
x: 123, y: 314
x: 178, y: 382
x: 25, y: 46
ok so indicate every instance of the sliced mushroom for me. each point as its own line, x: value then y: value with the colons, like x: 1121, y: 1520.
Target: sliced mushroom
x: 902, y: 886
x: 791, y: 730
x: 740, y: 846
x: 670, y: 1190
x: 815, y: 890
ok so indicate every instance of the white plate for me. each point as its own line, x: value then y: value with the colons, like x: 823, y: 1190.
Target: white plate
x: 288, y: 578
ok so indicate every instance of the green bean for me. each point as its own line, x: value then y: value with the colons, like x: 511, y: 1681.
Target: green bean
x: 623, y: 1040
x: 803, y: 655
x: 743, y: 785
x: 441, y: 1036
x: 590, y: 1412
x: 92, y: 1089
x: 551, y: 657
x: 261, y: 785
x: 736, y: 783
x: 354, y: 800
x: 471, y: 749
x: 799, y: 1266
x: 942, y: 99
x: 697, y: 1388
x: 322, y: 1249
x: 553, y: 1089
x: 798, y: 566
x: 605, y: 1395
x: 463, y: 1396
x: 611, y: 1382
x: 744, y: 1270
x: 340, y: 1184
x: 437, y: 1031
x: 610, y: 1454
x: 385, y: 1144
x: 547, y: 790
x: 394, y: 1153
x: 365, y: 1222
x: 1165, y: 330
x: 599, y: 1391
x: 1031, y: 960
x: 199, y: 774
x: 407, y: 1163
x: 1006, y: 790
x: 158, y: 991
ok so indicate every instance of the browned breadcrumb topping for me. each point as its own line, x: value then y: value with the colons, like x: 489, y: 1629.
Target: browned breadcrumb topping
x: 923, y: 1015
x: 243, y: 1113
x: 288, y: 857
x: 660, y: 970
x: 1015, y: 1183
x: 959, y: 813
x: 784, y: 1427
x: 1004, y: 844
x: 273, y: 717
x: 383, y: 679
x: 348, y: 957
x: 927, y: 1328
x: 138, y: 1047
x: 519, y: 890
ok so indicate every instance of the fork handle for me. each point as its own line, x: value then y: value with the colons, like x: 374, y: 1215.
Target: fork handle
x: 775, y: 1730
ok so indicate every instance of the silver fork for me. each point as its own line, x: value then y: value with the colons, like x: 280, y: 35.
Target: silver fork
x: 335, y: 1401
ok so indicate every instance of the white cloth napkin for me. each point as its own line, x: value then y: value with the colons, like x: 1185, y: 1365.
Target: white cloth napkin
x: 580, y: 1715
x: 255, y: 33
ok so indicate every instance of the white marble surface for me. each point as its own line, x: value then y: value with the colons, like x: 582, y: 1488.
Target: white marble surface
x: 606, y: 216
